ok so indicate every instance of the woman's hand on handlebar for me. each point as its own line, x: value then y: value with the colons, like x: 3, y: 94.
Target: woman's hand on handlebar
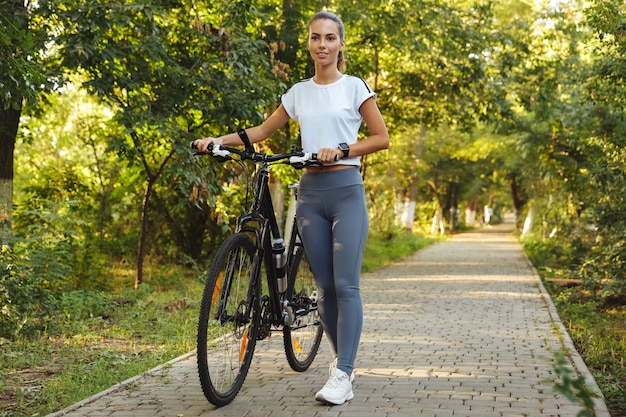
x: 203, y: 144
x: 328, y: 155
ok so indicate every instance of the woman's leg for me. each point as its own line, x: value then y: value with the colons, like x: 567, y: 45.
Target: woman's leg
x: 334, y: 225
x: 316, y: 231
x: 349, y: 236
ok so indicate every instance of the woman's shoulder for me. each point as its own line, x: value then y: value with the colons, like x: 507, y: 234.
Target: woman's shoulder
x: 297, y: 87
x: 347, y: 81
x: 358, y: 81
x: 300, y: 85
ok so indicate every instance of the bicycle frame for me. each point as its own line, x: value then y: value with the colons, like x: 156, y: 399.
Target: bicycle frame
x: 261, y: 221
x: 262, y: 213
x: 234, y: 311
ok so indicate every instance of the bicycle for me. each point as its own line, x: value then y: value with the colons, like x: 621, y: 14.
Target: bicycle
x: 235, y: 312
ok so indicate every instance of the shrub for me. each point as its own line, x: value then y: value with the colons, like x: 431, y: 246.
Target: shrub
x: 30, y: 285
x: 35, y: 271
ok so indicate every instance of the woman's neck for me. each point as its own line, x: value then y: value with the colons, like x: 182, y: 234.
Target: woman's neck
x: 327, y: 76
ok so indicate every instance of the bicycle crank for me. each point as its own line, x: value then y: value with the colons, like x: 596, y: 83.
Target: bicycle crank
x: 265, y: 327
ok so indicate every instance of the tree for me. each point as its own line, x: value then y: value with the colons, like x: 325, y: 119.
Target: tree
x: 479, y: 99
x: 431, y: 65
x: 20, y: 79
x: 170, y: 69
x: 598, y: 131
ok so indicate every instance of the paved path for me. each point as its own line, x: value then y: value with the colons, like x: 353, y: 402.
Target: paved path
x: 462, y: 328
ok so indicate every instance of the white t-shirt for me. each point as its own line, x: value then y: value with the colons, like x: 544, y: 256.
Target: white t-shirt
x: 328, y: 114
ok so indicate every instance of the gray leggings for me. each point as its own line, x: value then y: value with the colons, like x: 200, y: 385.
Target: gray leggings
x: 332, y: 219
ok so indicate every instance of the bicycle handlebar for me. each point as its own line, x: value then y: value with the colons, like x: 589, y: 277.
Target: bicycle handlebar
x: 297, y: 158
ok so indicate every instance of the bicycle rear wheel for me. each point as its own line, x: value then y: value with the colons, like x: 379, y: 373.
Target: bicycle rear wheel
x: 229, y: 320
x: 303, y: 332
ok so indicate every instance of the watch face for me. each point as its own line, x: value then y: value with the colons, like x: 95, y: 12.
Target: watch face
x: 345, y: 149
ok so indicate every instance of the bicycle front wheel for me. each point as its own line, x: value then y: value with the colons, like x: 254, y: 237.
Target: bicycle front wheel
x: 302, y: 332
x: 229, y: 320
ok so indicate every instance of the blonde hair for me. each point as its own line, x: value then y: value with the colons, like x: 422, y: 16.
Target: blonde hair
x: 341, y: 62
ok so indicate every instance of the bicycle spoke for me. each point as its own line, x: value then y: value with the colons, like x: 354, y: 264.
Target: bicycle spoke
x: 302, y: 337
x: 228, y: 321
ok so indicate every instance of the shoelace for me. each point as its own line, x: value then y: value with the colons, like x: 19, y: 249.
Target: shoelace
x: 333, y: 366
x: 334, y: 380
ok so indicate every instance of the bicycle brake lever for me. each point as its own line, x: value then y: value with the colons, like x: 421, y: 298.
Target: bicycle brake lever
x: 302, y: 161
x: 219, y: 153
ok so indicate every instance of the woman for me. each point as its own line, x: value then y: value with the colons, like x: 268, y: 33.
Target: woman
x: 331, y: 211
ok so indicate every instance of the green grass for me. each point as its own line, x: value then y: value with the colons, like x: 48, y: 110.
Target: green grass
x: 102, y: 339
x: 80, y: 357
x: 379, y: 251
x: 597, y: 326
x: 598, y: 330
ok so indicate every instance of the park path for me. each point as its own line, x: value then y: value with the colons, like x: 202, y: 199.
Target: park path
x: 461, y: 328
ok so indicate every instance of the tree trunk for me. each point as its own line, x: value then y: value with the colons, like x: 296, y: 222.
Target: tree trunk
x: 278, y: 201
x: 528, y: 223
x: 9, y: 122
x: 10, y: 112
x: 517, y: 195
x: 407, y: 213
x: 454, y: 205
x: 470, y: 216
x: 290, y: 33
x: 406, y: 208
x: 152, y: 177
x: 143, y: 234
x: 291, y: 212
x: 438, y: 222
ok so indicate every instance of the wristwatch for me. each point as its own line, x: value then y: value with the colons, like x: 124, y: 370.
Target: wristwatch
x: 345, y: 148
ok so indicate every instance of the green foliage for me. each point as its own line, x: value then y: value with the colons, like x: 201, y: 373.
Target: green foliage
x: 482, y: 100
x: 83, y: 305
x: 101, y: 340
x: 50, y: 256
x: 605, y: 267
x: 573, y: 386
x: 597, y: 329
x: 475, y: 96
x: 553, y: 253
x: 31, y: 281
x: 173, y: 71
x: 20, y: 47
x: 596, y: 322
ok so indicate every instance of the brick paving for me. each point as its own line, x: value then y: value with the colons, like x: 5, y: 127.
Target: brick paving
x: 462, y: 328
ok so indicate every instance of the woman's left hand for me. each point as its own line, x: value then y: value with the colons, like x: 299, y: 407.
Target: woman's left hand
x: 328, y: 155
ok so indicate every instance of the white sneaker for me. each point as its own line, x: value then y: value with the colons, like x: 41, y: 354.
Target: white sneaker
x: 338, y: 388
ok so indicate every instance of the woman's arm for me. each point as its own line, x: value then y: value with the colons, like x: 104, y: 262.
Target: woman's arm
x: 256, y: 134
x: 376, y: 141
x: 379, y: 136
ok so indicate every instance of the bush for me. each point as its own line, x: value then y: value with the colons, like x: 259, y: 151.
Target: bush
x: 83, y: 305
x: 30, y: 285
x: 605, y: 267
x: 35, y: 271
x: 555, y: 256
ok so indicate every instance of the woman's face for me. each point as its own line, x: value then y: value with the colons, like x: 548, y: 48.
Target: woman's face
x: 324, y: 42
